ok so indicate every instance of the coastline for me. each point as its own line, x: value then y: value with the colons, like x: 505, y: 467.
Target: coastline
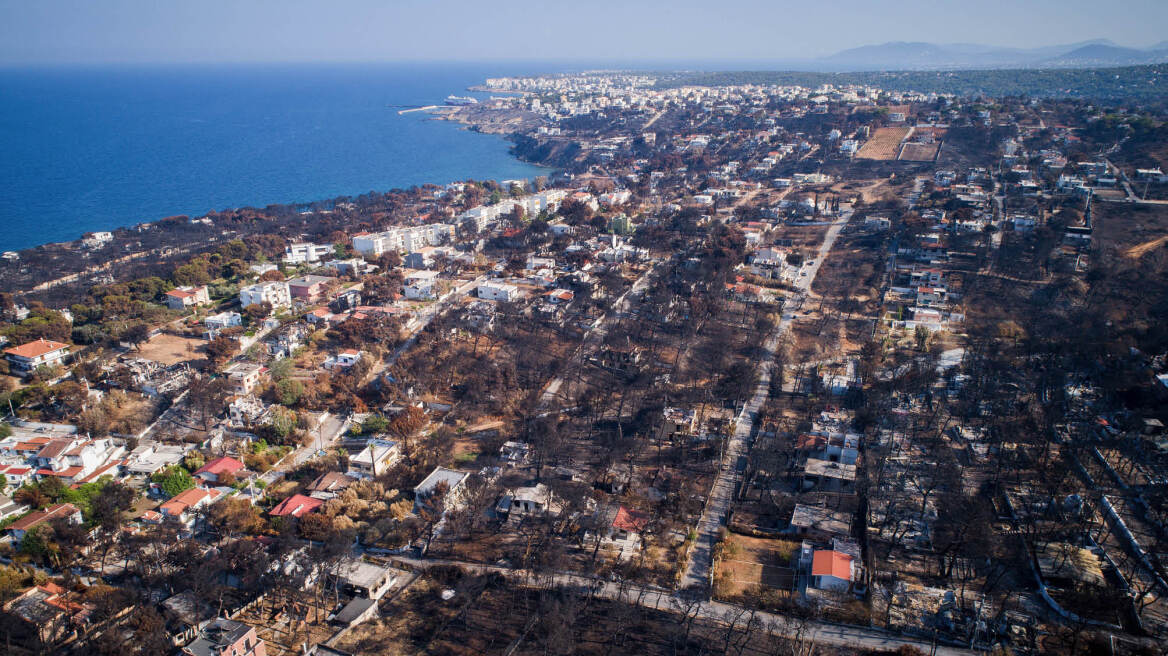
x: 49, y: 271
x: 201, y: 141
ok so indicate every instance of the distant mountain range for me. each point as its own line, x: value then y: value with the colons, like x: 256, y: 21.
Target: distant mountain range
x: 902, y: 55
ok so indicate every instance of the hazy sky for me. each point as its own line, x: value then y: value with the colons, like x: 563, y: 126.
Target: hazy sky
x: 56, y: 31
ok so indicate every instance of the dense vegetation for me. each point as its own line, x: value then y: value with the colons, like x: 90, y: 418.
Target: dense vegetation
x: 1140, y: 84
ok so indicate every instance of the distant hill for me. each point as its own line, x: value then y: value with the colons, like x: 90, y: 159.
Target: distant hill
x: 922, y: 56
x: 1105, y: 55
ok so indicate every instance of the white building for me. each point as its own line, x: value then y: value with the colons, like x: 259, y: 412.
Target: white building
x: 42, y: 352
x: 245, y: 410
x: 275, y: 293
x: 216, y: 323
x: 181, y: 298
x: 374, y: 459
x: 420, y: 285
x: 97, y: 240
x: 545, y: 201
x: 495, y: 291
x: 344, y: 359
x: 831, y: 570
x: 441, y: 478
x: 244, y: 376
x: 403, y: 239
x: 306, y: 253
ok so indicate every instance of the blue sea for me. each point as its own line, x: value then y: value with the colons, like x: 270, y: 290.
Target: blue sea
x: 94, y: 148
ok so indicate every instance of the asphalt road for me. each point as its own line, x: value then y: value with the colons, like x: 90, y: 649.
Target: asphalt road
x: 698, y: 570
x: 595, y: 334
x: 823, y: 633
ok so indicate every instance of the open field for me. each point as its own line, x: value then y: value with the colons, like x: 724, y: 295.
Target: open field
x: 884, y: 144
x: 919, y: 152
x: 867, y: 191
x: 1132, y: 228
x: 172, y: 349
x: 748, y: 562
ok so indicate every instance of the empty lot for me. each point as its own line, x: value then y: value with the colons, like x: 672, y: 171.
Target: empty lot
x: 884, y: 144
x: 172, y: 349
x: 748, y: 561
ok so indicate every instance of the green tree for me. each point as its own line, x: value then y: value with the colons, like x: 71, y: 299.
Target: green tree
x: 374, y: 424
x: 289, y: 391
x: 283, y: 422
x: 921, y: 335
x: 38, y: 543
x: 109, y: 504
x: 280, y: 369
x: 174, y: 480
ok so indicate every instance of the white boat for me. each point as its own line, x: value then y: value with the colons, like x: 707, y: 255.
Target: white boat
x: 461, y: 100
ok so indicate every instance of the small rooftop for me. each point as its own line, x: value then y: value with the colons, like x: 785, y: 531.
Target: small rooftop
x: 216, y: 636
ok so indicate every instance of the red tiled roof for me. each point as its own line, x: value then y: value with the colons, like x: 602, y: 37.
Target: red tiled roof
x: 832, y: 563
x: 100, y: 471
x: 52, y: 588
x: 183, y: 501
x: 330, y: 481
x: 296, y: 505
x: 632, y: 521
x: 40, y: 516
x: 76, y: 451
x: 54, y: 448
x: 36, y: 349
x: 68, y: 472
x: 220, y: 465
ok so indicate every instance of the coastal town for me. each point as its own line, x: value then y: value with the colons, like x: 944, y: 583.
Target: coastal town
x: 754, y: 368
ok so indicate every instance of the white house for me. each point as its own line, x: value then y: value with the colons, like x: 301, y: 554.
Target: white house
x: 403, y: 239
x: 246, y: 410
x: 22, y: 526
x: 832, y: 570
x: 184, y: 506
x: 441, y: 478
x: 97, y: 240
x: 275, y: 293
x: 244, y: 376
x: 533, y: 499
x: 181, y: 298
x: 216, y: 323
x: 374, y: 459
x: 306, y: 253
x: 495, y: 291
x: 9, y: 508
x: 86, y: 456
x: 42, y: 352
x: 343, y: 360
x: 420, y: 285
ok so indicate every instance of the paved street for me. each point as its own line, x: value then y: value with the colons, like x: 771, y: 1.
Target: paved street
x: 819, y: 632
x: 423, y: 319
x: 596, y: 333
x: 697, y: 571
